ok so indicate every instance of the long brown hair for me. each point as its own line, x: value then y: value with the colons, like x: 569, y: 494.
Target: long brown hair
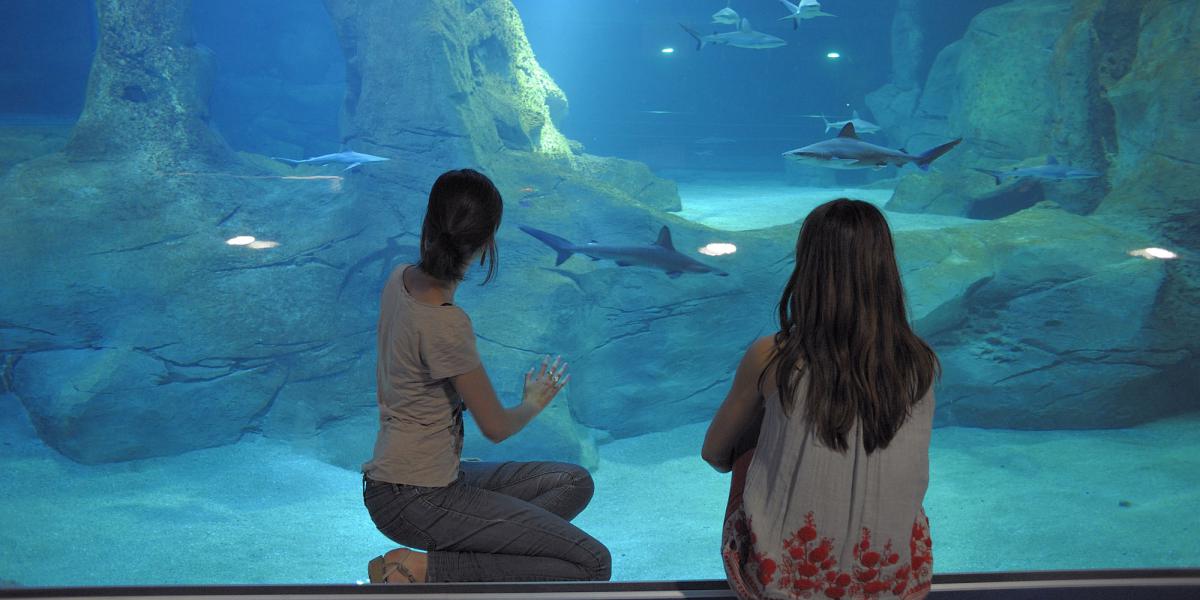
x: 843, y: 321
x: 462, y: 217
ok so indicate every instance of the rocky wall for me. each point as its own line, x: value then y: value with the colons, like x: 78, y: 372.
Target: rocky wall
x: 1100, y: 84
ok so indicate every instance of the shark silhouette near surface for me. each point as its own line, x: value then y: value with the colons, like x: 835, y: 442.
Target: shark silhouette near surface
x: 743, y: 37
x: 346, y: 157
x: 861, y: 125
x: 846, y: 151
x: 1051, y: 171
x: 726, y: 16
x: 659, y: 255
x: 804, y: 9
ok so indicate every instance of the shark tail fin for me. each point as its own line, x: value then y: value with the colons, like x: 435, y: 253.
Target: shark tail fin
x: 933, y: 154
x: 993, y: 174
x: 695, y: 34
x: 563, y: 247
x: 287, y: 161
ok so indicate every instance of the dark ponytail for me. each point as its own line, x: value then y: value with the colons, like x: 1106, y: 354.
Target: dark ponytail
x: 462, y: 217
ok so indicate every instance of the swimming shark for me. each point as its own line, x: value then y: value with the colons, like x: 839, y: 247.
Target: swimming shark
x: 846, y: 151
x: 1051, y: 171
x: 726, y: 16
x: 861, y: 125
x: 660, y: 255
x: 806, y: 9
x: 744, y: 37
x: 345, y: 157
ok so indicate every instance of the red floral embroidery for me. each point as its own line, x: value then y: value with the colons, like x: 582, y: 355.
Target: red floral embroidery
x: 807, y: 569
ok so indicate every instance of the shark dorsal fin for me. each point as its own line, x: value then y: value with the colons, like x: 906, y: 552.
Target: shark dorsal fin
x: 744, y: 25
x: 848, y: 131
x: 664, y: 238
x: 1051, y: 160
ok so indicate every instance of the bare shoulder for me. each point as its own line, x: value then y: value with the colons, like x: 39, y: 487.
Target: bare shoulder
x: 762, y: 349
x: 758, y: 356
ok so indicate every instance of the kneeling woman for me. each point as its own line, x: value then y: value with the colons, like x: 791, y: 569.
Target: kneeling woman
x: 478, y: 521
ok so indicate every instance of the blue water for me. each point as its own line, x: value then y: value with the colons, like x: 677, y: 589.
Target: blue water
x: 1068, y: 419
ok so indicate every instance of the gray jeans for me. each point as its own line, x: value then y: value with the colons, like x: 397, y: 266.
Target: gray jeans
x: 498, y: 522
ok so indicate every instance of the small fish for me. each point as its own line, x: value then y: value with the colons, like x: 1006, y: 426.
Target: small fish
x: 528, y: 190
x: 726, y: 16
x: 1051, y: 171
x: 346, y: 157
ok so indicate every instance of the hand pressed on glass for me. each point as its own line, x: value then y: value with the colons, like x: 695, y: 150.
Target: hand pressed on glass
x: 542, y: 384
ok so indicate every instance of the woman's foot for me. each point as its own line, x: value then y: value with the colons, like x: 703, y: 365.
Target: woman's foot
x: 398, y: 566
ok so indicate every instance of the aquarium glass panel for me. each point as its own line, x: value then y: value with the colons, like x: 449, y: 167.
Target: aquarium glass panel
x: 202, y: 201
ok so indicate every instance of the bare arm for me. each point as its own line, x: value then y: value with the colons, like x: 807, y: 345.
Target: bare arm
x: 741, y: 412
x: 497, y: 422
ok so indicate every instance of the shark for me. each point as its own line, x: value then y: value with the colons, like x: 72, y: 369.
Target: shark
x: 805, y: 9
x: 743, y: 37
x: 846, y: 151
x: 345, y: 157
x: 861, y: 125
x: 726, y: 16
x: 1051, y: 171
x: 660, y: 255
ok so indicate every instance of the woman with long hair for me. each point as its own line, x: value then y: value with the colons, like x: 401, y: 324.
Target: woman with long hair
x: 477, y: 521
x: 826, y: 427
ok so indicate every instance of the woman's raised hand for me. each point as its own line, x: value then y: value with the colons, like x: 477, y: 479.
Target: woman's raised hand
x: 541, y: 385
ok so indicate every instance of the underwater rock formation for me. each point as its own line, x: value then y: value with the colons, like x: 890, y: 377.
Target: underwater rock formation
x: 1048, y: 336
x: 138, y: 331
x: 147, y: 94
x: 1099, y: 84
x: 442, y: 83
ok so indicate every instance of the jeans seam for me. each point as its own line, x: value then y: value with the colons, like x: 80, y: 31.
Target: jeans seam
x: 576, y: 543
x: 530, y: 477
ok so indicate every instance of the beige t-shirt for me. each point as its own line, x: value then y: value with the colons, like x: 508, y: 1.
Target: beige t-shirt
x: 420, y: 347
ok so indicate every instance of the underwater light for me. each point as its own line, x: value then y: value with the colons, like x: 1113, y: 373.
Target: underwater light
x: 668, y: 50
x: 717, y: 249
x: 1153, y: 253
x: 241, y: 240
x: 833, y: 55
x: 263, y: 244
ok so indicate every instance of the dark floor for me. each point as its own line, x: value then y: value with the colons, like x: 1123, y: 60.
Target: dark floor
x: 1173, y: 584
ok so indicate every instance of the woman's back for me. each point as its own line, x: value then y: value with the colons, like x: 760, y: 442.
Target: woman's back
x: 832, y: 523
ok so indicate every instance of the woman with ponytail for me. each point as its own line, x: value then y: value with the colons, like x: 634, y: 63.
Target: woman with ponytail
x: 826, y: 428
x: 476, y: 521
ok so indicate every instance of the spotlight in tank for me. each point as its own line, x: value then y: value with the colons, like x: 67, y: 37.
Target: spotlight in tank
x: 717, y: 249
x: 1154, y: 253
